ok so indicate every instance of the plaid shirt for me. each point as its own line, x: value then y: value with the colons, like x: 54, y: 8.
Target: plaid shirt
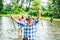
x: 29, y: 32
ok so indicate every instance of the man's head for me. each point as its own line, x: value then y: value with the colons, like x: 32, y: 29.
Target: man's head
x: 22, y: 16
x: 30, y: 19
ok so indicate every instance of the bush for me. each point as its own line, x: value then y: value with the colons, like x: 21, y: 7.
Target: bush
x: 33, y: 12
x: 44, y: 13
x: 4, y: 11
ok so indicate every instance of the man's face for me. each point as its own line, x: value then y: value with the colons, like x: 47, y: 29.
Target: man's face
x: 31, y: 20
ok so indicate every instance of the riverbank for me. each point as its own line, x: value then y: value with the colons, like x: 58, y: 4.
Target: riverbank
x: 26, y: 15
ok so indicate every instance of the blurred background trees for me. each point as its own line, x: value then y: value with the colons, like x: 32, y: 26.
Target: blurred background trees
x: 53, y: 9
x: 1, y: 5
x: 50, y: 8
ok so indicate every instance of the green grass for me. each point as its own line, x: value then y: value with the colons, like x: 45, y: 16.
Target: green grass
x: 48, y: 18
x: 26, y: 15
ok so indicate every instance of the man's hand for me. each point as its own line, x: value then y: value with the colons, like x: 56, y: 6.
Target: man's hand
x: 39, y: 12
x: 12, y: 17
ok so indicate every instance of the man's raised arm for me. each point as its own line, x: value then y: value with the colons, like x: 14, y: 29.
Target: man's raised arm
x: 14, y: 19
x: 39, y: 12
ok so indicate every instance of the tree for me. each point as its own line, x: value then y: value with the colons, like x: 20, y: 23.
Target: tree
x: 35, y: 4
x: 17, y: 1
x: 1, y: 5
x: 54, y: 8
x: 58, y: 1
x: 21, y: 5
x: 29, y: 4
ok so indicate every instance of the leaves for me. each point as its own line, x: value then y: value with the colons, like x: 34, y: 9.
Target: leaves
x: 1, y: 5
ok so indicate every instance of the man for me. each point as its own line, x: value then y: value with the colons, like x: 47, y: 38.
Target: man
x: 22, y: 19
x: 51, y: 19
x: 29, y: 27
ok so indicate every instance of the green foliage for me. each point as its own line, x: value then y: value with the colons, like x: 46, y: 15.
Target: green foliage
x: 4, y: 11
x: 1, y: 5
x: 35, y: 4
x: 52, y: 10
x: 8, y: 7
x: 33, y: 12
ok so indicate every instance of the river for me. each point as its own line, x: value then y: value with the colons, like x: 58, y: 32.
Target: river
x: 46, y: 32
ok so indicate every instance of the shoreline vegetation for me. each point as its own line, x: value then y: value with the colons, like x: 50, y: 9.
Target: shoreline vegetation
x: 26, y: 15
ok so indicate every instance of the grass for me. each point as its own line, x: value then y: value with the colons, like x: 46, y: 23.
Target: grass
x: 48, y: 18
x: 26, y: 15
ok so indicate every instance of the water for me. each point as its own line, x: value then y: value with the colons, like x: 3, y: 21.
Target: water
x: 7, y: 30
x: 45, y: 32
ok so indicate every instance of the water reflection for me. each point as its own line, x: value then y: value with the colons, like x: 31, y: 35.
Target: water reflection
x: 45, y: 32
